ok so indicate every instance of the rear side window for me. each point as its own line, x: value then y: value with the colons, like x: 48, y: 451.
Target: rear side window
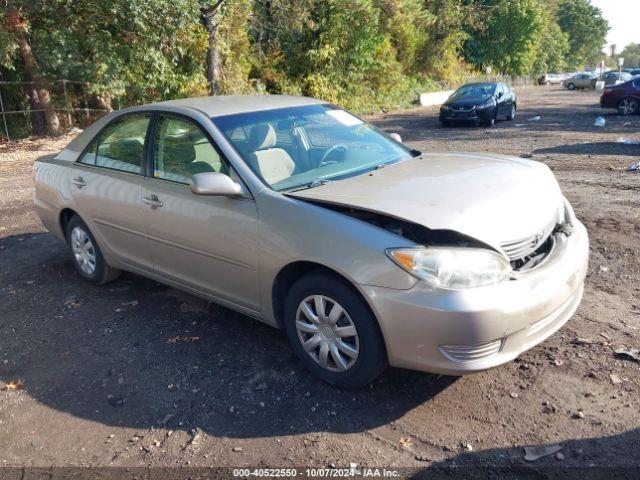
x: 120, y: 146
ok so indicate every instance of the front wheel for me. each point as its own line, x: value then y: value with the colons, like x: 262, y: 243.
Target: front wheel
x: 86, y: 254
x: 512, y: 115
x: 571, y: 86
x: 628, y: 106
x: 333, y: 332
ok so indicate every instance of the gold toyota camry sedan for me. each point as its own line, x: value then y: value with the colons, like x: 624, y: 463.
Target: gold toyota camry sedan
x: 296, y: 212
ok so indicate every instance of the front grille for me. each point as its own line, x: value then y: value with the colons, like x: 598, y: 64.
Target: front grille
x: 519, y: 249
x: 471, y: 353
x: 463, y: 108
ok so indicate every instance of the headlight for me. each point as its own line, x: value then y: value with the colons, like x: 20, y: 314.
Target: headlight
x: 453, y: 267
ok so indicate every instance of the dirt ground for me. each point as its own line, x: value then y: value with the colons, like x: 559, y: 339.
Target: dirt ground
x: 170, y: 381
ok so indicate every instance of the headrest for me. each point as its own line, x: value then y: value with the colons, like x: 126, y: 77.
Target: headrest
x: 262, y: 137
x: 178, y: 150
x: 126, y: 150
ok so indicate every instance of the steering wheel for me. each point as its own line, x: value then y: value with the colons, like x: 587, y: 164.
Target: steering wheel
x: 323, y: 160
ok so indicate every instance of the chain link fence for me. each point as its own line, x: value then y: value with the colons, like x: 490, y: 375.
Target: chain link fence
x: 22, y: 114
x: 512, y: 81
x: 76, y: 105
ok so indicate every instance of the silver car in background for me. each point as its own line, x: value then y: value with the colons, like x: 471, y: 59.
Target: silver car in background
x: 582, y: 81
x: 302, y: 215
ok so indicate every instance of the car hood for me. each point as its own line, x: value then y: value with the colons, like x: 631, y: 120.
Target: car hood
x: 459, y: 102
x: 493, y: 198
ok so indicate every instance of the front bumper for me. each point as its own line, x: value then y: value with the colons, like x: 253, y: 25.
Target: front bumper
x: 473, y: 116
x: 608, y: 102
x: 456, y: 332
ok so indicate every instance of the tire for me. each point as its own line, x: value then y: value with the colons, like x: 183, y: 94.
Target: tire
x: 512, y: 115
x: 351, y: 372
x: 446, y: 123
x: 490, y: 122
x: 571, y: 86
x: 83, y: 247
x: 628, y: 106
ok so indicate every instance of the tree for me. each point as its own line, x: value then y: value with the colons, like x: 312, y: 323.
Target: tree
x: 211, y: 13
x: 631, y: 55
x: 552, y: 48
x: 586, y: 30
x: 509, y: 39
x: 449, y: 29
x: 17, y: 29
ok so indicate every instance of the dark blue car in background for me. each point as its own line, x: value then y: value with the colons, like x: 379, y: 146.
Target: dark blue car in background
x: 479, y: 103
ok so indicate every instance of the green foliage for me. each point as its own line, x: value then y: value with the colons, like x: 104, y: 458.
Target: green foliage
x: 363, y: 54
x: 552, y: 48
x: 451, y: 21
x: 509, y: 40
x: 586, y: 30
x: 631, y: 55
x: 344, y: 51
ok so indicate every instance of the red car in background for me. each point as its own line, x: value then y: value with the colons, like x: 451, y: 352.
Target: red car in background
x: 624, y: 97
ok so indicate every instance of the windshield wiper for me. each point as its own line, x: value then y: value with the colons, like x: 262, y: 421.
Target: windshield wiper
x: 315, y: 183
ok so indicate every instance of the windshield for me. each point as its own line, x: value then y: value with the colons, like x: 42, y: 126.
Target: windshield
x: 291, y: 148
x: 478, y: 90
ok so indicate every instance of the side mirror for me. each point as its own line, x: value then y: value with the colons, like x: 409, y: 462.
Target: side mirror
x: 396, y: 137
x: 217, y: 184
x: 500, y: 94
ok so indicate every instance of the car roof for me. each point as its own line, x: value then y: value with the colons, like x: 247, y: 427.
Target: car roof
x: 213, y: 106
x: 487, y: 84
x: 219, y: 105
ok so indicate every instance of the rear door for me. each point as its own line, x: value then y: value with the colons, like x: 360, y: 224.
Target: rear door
x: 107, y: 187
x: 509, y: 99
x: 208, y: 243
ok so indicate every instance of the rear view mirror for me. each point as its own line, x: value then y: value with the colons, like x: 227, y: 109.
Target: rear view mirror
x: 217, y: 184
x: 396, y: 137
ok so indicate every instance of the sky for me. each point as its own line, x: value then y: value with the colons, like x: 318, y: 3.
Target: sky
x: 624, y: 20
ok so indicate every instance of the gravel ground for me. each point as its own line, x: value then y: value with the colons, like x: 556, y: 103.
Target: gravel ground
x: 139, y: 374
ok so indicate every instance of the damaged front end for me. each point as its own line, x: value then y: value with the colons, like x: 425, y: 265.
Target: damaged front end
x: 532, y: 252
x: 523, y: 255
x: 411, y: 231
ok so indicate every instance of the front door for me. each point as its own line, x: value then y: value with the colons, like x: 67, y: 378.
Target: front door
x: 503, y: 110
x: 208, y: 243
x: 107, y: 187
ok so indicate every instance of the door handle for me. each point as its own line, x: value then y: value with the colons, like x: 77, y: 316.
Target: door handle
x: 153, y: 201
x: 79, y: 182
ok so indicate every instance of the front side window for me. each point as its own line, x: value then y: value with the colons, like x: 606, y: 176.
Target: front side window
x: 120, y: 145
x: 181, y: 149
x: 297, y: 147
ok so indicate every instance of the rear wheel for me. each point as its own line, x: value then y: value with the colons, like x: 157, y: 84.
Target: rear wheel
x: 571, y: 86
x: 86, y: 254
x: 628, y: 106
x: 333, y: 332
